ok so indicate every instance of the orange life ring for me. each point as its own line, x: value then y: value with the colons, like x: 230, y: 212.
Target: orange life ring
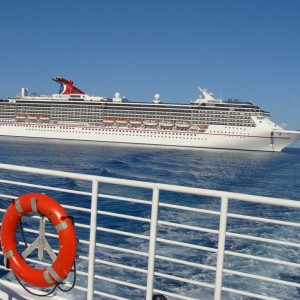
x: 64, y: 261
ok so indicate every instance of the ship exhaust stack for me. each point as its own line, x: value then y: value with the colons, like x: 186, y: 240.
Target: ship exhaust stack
x: 67, y: 86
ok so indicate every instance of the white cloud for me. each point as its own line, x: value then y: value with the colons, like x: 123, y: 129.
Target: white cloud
x: 283, y: 125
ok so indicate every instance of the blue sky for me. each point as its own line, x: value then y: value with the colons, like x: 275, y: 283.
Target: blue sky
x: 236, y: 48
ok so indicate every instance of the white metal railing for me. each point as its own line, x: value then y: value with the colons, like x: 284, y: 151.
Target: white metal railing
x: 215, y: 218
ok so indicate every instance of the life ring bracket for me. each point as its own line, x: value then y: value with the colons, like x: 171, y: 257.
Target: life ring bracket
x: 40, y: 243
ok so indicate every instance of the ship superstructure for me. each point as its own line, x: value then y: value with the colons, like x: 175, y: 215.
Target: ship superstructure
x: 206, y: 122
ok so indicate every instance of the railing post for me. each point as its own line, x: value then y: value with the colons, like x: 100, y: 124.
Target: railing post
x: 221, y: 248
x: 93, y: 230
x: 152, y: 243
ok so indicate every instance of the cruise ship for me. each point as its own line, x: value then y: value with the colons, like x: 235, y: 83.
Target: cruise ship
x: 206, y: 122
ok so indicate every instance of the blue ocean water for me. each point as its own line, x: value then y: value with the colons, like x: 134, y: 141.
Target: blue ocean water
x: 259, y: 173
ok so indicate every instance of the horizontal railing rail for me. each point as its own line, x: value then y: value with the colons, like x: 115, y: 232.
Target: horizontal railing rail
x: 155, y: 241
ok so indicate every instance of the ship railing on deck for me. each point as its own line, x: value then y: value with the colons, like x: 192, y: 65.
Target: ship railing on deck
x: 186, y: 277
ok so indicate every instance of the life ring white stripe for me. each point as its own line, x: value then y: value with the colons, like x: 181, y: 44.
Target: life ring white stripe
x: 18, y: 206
x: 54, y: 274
x: 7, y: 255
x: 61, y: 226
x: 47, y: 277
x: 33, y: 204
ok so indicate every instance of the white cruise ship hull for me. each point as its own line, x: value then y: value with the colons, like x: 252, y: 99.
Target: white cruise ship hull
x: 252, y: 139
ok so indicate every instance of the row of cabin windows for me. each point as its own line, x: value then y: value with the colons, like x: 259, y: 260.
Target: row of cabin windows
x: 229, y: 128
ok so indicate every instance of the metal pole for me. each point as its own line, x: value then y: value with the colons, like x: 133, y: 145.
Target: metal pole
x: 152, y: 243
x: 221, y: 248
x: 93, y: 225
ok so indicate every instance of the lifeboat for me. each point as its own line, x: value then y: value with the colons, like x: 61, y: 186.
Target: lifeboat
x: 20, y: 117
x: 108, y: 121
x: 150, y: 122
x: 44, y: 118
x: 121, y: 121
x: 182, y: 124
x: 166, y: 123
x: 136, y: 122
x: 32, y: 118
x: 202, y: 126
